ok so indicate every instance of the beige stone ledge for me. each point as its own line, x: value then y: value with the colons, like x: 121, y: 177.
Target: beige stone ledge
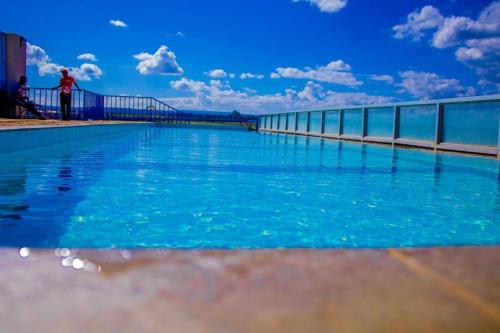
x: 400, y: 290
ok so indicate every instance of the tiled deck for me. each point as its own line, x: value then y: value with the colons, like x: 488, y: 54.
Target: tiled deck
x: 418, y: 290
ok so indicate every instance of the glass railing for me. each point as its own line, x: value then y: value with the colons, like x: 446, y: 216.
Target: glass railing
x: 462, y: 124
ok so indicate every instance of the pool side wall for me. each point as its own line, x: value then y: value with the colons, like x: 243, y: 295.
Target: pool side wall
x: 466, y: 125
x: 13, y: 140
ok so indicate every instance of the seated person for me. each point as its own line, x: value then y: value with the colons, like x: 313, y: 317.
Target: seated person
x: 22, y: 98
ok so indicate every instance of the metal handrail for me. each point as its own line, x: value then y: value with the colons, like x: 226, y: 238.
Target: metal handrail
x: 88, y: 105
x: 146, y: 97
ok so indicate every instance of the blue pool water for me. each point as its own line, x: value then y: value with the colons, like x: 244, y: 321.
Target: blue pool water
x: 207, y: 188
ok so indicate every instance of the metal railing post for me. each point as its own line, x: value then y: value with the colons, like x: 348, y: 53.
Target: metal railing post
x: 439, y: 128
x: 322, y: 126
x: 395, y: 124
x: 498, y: 144
x: 364, y: 124
x: 341, y: 122
x: 85, y: 105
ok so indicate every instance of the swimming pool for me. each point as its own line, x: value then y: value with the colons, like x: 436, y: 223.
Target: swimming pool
x: 156, y: 186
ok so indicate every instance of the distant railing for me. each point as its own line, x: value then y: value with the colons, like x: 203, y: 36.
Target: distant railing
x: 458, y: 124
x: 138, y: 108
x: 87, y: 105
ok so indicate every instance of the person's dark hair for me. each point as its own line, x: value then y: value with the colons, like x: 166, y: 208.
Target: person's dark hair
x: 23, y: 79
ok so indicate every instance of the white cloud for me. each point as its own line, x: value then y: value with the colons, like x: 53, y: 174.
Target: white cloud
x: 430, y: 85
x: 250, y: 91
x: 217, y: 73
x: 162, y: 62
x: 118, y: 23
x: 335, y: 72
x: 37, y: 56
x: 418, y: 21
x: 248, y: 75
x: 383, y: 78
x: 477, y: 41
x: 49, y: 68
x: 338, y: 65
x: 448, y: 33
x: 327, y: 6
x: 219, y: 95
x: 458, y: 30
x: 87, y: 56
x: 178, y: 34
x: 478, y: 49
x: 465, y: 54
x: 86, y: 72
x: 185, y: 84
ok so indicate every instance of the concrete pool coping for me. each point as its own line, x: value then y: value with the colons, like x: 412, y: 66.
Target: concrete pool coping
x: 448, y: 289
x: 33, y: 124
x: 22, y: 124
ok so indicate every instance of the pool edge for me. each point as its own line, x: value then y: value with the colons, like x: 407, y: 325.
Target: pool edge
x: 446, y: 289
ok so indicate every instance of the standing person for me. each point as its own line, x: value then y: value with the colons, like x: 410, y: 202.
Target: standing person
x: 66, y: 84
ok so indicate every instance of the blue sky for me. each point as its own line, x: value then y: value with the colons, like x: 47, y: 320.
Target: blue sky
x: 262, y: 55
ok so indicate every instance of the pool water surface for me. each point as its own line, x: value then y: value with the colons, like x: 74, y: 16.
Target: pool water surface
x: 208, y: 188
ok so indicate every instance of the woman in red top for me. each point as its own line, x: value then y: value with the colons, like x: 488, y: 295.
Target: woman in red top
x: 66, y: 85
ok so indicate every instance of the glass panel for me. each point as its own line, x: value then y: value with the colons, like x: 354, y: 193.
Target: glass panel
x: 268, y: 122
x: 274, y: 123
x: 471, y: 123
x: 417, y: 122
x: 380, y: 121
x: 332, y: 122
x: 291, y: 121
x: 263, y: 124
x: 315, y: 122
x: 352, y: 122
x: 302, y: 122
x: 282, y: 122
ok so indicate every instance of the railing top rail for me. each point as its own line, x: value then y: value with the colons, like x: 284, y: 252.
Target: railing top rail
x: 146, y: 97
x: 485, y: 98
x: 57, y: 89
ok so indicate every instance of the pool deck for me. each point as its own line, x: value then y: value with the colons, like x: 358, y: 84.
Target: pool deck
x: 396, y: 290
